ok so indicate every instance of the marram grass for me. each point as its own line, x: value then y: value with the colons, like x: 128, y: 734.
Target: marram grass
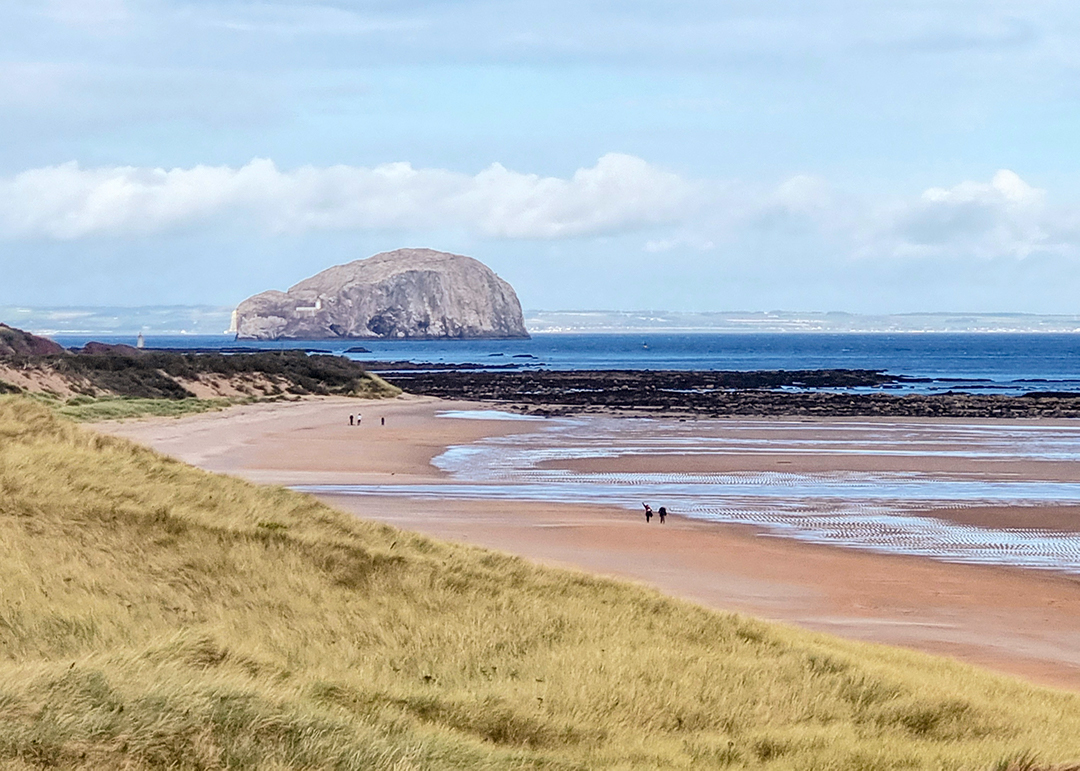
x: 154, y: 616
x: 89, y: 409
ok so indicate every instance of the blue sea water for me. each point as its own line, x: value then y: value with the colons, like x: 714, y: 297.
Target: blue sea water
x: 978, y: 362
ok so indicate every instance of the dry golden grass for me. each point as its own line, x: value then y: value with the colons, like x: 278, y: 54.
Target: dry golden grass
x: 156, y: 616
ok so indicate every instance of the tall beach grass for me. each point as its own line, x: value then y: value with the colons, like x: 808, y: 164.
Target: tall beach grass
x: 156, y: 616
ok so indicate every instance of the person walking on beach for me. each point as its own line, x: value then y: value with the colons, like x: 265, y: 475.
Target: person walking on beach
x: 358, y: 418
x: 663, y: 514
x: 382, y: 421
x: 648, y: 512
x: 352, y: 419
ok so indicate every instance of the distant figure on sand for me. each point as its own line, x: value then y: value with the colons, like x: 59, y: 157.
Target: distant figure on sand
x: 663, y: 514
x: 352, y: 419
x: 382, y: 421
x: 648, y: 512
x: 358, y: 418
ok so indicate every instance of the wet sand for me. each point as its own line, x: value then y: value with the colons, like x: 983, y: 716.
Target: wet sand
x: 1022, y: 622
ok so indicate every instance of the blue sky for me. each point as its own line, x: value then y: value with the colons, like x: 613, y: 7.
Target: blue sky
x: 867, y: 157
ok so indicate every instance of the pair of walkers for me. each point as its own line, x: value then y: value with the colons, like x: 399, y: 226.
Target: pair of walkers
x: 354, y: 420
x: 661, y: 512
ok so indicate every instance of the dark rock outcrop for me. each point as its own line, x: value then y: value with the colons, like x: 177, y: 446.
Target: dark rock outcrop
x: 407, y: 293
x: 721, y: 394
x: 95, y: 348
x: 15, y: 342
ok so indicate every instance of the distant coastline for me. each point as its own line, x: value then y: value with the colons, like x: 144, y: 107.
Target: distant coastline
x: 787, y: 322
x: 215, y: 320
x: 118, y: 320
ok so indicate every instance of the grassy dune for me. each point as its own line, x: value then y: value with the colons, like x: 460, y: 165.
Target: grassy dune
x: 90, y: 408
x: 119, y: 372
x: 96, y: 408
x: 156, y: 616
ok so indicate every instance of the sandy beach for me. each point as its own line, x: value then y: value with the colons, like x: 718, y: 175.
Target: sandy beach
x: 1019, y: 621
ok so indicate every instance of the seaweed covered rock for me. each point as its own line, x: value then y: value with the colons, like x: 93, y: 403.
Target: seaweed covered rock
x: 407, y: 293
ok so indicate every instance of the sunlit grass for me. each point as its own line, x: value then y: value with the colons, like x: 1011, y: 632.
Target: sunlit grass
x: 371, y: 386
x: 122, y: 385
x: 90, y: 409
x: 156, y: 616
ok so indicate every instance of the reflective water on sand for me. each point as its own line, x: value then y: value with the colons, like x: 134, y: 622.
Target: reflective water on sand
x: 878, y: 511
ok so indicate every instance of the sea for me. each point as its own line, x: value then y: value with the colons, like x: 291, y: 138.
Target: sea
x: 1004, y: 363
x: 885, y: 512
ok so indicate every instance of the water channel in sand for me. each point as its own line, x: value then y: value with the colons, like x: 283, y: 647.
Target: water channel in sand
x: 883, y: 511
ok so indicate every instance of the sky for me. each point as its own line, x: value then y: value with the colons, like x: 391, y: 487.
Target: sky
x: 699, y: 155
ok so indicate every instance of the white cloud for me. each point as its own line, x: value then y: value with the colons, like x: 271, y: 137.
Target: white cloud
x: 619, y: 193
x: 1003, y: 217
x: 803, y: 194
x: 1006, y: 188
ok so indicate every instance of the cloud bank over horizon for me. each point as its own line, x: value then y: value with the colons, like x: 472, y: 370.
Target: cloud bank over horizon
x: 621, y: 194
x: 69, y: 202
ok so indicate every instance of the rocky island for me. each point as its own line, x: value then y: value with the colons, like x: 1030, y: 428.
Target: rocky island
x: 403, y: 294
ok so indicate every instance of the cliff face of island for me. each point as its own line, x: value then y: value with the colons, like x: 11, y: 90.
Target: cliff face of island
x: 407, y: 293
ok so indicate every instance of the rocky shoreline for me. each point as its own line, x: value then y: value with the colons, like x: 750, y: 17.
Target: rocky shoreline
x: 720, y: 394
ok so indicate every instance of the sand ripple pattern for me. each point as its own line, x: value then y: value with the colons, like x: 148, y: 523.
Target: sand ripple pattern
x: 862, y: 510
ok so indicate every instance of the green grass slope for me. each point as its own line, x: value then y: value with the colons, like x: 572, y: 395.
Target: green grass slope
x: 155, y: 616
